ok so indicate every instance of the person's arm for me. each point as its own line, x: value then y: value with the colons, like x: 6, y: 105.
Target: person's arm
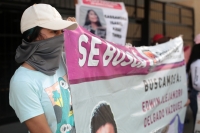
x: 196, y: 77
x: 38, y: 124
x: 24, y: 99
x: 187, y: 103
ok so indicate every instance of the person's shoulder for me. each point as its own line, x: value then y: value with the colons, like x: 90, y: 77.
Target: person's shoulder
x: 101, y: 29
x: 87, y: 27
x: 196, y: 63
x: 198, y: 60
x: 23, y: 74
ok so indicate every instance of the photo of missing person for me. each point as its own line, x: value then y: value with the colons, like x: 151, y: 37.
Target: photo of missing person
x: 102, y: 120
x: 94, y: 21
x: 149, y: 54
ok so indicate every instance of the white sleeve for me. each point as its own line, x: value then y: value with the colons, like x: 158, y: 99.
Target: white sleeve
x: 195, y: 71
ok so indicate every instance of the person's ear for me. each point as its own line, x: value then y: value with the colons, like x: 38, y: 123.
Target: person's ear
x: 40, y: 37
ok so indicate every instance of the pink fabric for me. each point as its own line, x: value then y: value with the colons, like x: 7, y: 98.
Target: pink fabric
x: 86, y: 58
x: 72, y: 51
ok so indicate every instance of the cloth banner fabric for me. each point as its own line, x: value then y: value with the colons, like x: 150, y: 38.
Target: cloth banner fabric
x: 106, y: 19
x: 125, y: 90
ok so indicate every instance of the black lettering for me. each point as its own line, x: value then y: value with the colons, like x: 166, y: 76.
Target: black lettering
x: 172, y: 77
x: 168, y: 80
x: 145, y: 85
x: 151, y: 84
x: 117, y: 29
x: 156, y: 84
x: 164, y: 82
x: 117, y: 35
x: 160, y: 80
x: 115, y: 23
x: 177, y: 79
x: 174, y: 80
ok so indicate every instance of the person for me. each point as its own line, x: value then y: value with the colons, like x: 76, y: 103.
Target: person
x: 159, y: 39
x: 155, y: 38
x: 93, y: 24
x: 193, y: 70
x: 102, y: 120
x: 39, y: 91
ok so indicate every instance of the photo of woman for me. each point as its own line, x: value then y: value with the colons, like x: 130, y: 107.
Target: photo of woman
x: 93, y: 24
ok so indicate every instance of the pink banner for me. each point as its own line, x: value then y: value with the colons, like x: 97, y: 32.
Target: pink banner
x: 102, y: 3
x: 92, y: 58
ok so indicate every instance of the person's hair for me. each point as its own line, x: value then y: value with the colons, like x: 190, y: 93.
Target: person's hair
x: 31, y: 34
x: 87, y: 20
x: 102, y: 115
x: 193, y: 57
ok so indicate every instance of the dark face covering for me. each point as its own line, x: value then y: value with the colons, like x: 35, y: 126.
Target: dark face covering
x: 42, y: 55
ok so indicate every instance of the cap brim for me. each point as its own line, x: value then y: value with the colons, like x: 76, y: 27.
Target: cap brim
x: 59, y: 25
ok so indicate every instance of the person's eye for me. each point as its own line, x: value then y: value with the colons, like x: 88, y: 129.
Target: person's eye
x: 55, y: 31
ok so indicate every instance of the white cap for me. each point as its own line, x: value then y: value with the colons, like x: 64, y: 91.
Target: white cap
x: 45, y: 16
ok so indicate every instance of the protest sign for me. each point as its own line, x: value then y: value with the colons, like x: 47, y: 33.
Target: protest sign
x: 106, y: 19
x: 125, y: 90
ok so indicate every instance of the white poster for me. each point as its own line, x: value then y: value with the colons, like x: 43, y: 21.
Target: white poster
x: 105, y: 19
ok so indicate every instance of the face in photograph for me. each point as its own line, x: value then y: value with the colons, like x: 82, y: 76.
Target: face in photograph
x: 102, y: 120
x: 92, y: 16
x: 107, y: 128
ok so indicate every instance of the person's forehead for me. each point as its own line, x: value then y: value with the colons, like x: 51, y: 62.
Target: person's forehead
x: 92, y: 11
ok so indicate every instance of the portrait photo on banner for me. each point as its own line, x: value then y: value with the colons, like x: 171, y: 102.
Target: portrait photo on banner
x: 102, y: 119
x: 93, y: 20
